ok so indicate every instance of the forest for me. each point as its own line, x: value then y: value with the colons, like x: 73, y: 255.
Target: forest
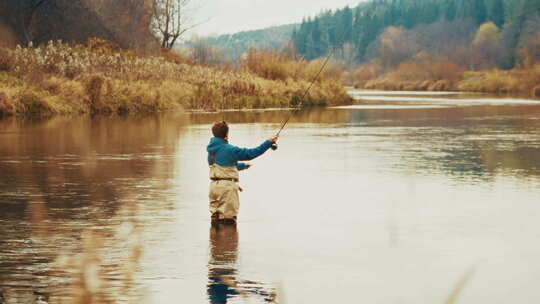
x: 431, y: 44
x: 433, y: 25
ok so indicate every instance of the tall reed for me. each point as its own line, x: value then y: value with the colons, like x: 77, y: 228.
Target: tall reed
x: 97, y: 78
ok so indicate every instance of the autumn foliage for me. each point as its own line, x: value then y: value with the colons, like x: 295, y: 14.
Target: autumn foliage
x: 286, y: 65
x: 101, y: 78
x: 430, y: 58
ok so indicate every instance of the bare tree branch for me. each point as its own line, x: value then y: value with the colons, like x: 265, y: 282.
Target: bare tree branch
x: 172, y: 19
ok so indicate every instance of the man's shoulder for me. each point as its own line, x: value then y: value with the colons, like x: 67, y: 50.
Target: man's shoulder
x: 227, y: 148
x: 230, y: 147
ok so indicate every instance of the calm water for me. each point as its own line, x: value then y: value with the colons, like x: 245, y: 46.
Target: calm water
x: 400, y: 199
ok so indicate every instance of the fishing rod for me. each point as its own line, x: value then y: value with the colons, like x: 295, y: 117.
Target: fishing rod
x: 330, y: 54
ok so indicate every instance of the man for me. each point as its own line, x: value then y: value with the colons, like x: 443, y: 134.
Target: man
x: 223, y: 159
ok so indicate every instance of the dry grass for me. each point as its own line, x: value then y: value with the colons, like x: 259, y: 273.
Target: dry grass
x: 272, y: 65
x: 365, y: 73
x: 514, y: 81
x: 99, y: 78
x: 428, y: 75
x: 443, y: 75
x: 283, y: 66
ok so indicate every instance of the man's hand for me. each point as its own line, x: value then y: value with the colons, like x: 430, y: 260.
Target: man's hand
x: 273, y: 139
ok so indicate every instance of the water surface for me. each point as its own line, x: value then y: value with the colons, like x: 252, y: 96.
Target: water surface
x: 393, y: 200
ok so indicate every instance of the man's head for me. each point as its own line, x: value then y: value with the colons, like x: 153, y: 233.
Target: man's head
x: 220, y: 129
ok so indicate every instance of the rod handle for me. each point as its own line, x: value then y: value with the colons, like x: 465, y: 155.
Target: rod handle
x: 274, y: 147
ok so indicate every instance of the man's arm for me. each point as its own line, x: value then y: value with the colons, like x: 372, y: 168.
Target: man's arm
x: 249, y: 154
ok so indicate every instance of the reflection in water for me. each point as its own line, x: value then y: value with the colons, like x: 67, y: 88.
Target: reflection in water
x: 52, y: 266
x: 70, y: 188
x: 419, y: 192
x: 465, y: 142
x: 223, y: 282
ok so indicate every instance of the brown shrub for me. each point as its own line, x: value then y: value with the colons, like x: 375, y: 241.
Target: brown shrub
x: 73, y: 92
x: 427, y: 71
x: 365, y: 73
x: 530, y: 51
x: 332, y: 71
x: 423, y: 73
x: 103, y: 46
x: 6, y: 59
x: 268, y: 64
x: 94, y: 85
x: 281, y: 66
x: 31, y: 102
x: 536, y: 91
x: 408, y: 70
x: 441, y: 85
x: 6, y: 108
x: 444, y: 70
x: 512, y: 81
x: 174, y: 57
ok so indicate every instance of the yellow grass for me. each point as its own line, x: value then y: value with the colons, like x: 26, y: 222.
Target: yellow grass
x: 427, y: 75
x: 61, y: 79
x: 447, y: 76
x: 282, y: 66
x: 525, y: 81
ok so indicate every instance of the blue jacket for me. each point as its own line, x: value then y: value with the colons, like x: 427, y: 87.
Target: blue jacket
x: 228, y: 155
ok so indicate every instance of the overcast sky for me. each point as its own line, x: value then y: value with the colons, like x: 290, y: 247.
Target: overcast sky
x: 231, y: 16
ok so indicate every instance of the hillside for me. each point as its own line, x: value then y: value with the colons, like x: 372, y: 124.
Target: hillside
x: 435, y: 24
x: 235, y: 45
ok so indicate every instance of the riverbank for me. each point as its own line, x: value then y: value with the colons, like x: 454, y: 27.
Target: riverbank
x: 60, y: 79
x: 525, y: 82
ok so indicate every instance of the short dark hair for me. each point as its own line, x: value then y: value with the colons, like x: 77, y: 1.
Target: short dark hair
x: 220, y: 129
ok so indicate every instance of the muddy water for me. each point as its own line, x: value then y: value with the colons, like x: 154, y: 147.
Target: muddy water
x: 402, y: 198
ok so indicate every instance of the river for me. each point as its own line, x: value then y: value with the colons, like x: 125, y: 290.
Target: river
x: 402, y: 198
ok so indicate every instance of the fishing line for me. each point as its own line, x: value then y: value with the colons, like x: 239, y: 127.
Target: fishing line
x: 330, y: 54
x: 306, y: 92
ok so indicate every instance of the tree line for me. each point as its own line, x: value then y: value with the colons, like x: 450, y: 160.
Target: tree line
x: 358, y: 33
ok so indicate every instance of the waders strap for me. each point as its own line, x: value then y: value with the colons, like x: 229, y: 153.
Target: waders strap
x: 225, y: 179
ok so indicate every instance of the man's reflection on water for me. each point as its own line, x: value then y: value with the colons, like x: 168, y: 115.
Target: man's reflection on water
x: 223, y: 283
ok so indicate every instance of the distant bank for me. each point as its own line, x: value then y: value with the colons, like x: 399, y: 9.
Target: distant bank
x: 522, y: 81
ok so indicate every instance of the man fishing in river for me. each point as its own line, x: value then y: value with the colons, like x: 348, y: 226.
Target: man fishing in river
x: 223, y: 159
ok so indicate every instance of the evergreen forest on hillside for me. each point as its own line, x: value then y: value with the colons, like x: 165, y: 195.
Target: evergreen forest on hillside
x: 439, y: 27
